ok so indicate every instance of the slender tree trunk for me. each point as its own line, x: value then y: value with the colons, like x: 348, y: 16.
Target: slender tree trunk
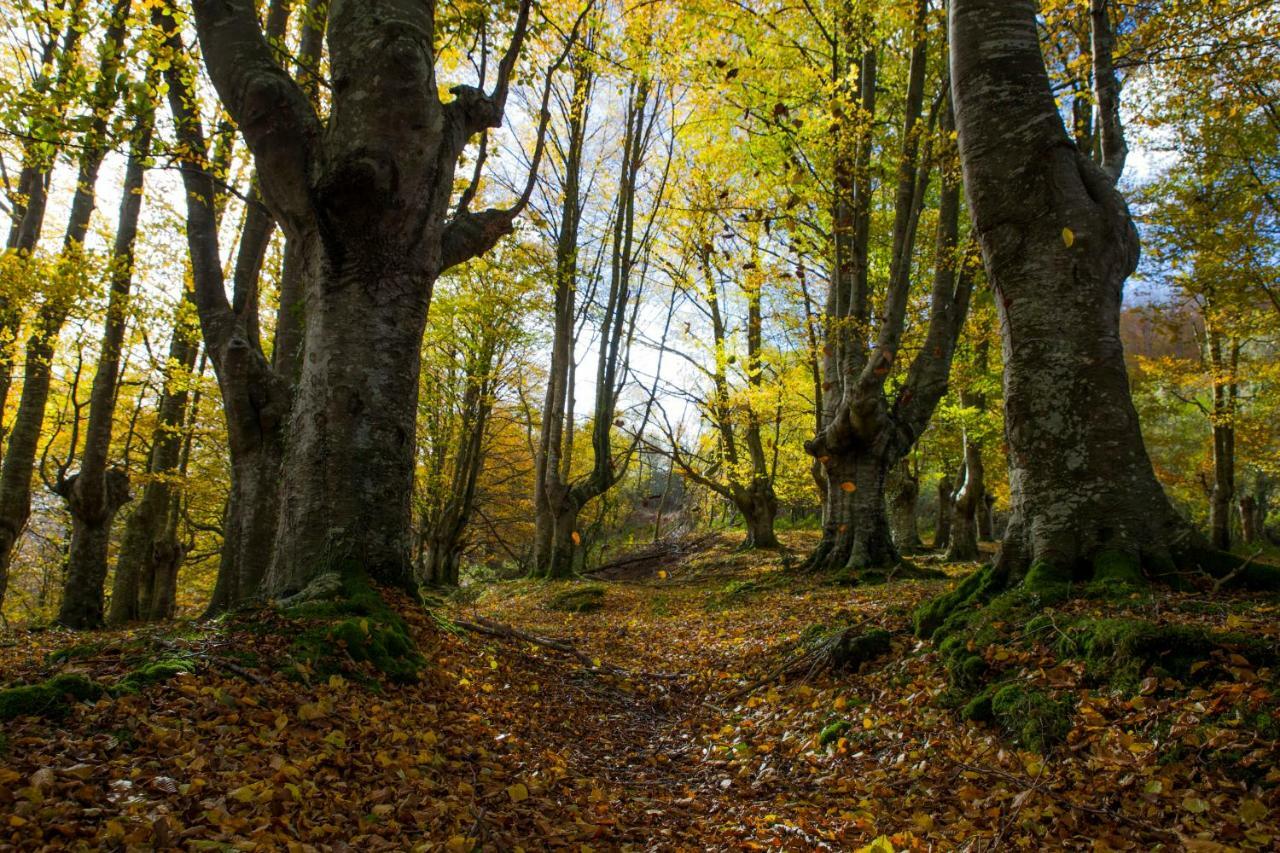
x: 1224, y: 439
x: 144, y: 550
x: 1058, y: 244
x: 966, y: 505
x: 96, y: 493
x: 942, y: 530
x: 986, y: 520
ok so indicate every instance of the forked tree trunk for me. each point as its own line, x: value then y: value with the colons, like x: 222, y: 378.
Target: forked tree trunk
x: 371, y: 188
x: 1058, y: 244
x: 966, y: 504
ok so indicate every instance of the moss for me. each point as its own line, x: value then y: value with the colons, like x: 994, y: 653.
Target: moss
x: 359, y: 626
x: 578, y: 599
x: 1111, y: 565
x: 1032, y: 717
x: 977, y: 588
x: 833, y: 731
x: 52, y: 698
x: 1044, y: 574
x: 852, y: 650
x: 1115, y: 590
x: 1120, y: 652
x: 151, y: 673
x: 978, y: 708
x: 76, y: 652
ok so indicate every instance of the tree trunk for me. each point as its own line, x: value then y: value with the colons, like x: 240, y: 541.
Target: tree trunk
x: 1058, y: 244
x: 966, y: 505
x: 143, y: 548
x: 904, y: 490
x: 96, y: 493
x: 759, y: 508
x: 857, y: 535
x: 942, y: 530
x: 986, y: 521
x: 1224, y: 439
x: 358, y: 392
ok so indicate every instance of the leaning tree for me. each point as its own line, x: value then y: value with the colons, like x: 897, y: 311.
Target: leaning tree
x: 369, y: 190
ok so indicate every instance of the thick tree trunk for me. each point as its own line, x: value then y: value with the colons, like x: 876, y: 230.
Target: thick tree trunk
x: 347, y: 477
x: 759, y: 508
x: 904, y: 491
x: 86, y: 562
x: 562, y: 553
x: 440, y: 562
x: 966, y: 505
x: 249, y: 525
x: 856, y: 536
x: 1058, y: 244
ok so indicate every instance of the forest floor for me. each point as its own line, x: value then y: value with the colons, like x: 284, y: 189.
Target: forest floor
x: 648, y: 736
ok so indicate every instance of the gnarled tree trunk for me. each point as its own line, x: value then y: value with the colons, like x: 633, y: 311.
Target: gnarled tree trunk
x: 1058, y: 244
x: 903, y: 491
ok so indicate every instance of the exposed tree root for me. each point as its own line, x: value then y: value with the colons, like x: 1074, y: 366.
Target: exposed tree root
x: 490, y: 628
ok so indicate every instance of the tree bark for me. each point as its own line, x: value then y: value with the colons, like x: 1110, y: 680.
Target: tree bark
x: 942, y: 530
x: 96, y: 493
x: 904, y: 490
x: 1058, y: 244
x: 966, y: 505
x: 371, y: 189
x: 1225, y: 391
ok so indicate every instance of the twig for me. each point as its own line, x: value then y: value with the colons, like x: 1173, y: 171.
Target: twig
x: 506, y: 632
x: 1234, y: 573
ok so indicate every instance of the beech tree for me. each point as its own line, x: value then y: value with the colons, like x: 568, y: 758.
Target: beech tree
x: 368, y: 193
x: 867, y: 426
x: 1058, y: 243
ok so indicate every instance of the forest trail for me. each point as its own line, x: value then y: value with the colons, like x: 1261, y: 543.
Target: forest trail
x: 652, y: 744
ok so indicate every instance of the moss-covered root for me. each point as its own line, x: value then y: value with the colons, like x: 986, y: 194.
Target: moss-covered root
x: 1031, y: 717
x: 578, y: 599
x: 978, y: 588
x: 359, y: 626
x: 52, y: 698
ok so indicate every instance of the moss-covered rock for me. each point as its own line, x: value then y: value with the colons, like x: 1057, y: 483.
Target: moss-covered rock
x: 578, y: 599
x: 51, y: 698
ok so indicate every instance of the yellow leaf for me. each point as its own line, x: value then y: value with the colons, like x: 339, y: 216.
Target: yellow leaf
x: 880, y: 845
x: 868, y: 723
x: 459, y: 844
x: 577, y: 539
x: 840, y: 704
x: 662, y: 574
x: 244, y: 794
x: 847, y: 486
x: 518, y: 792
x: 1252, y: 811
x: 1195, y: 805
x: 1068, y: 237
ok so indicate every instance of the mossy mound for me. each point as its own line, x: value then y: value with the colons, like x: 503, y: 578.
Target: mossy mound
x: 578, y: 599
x: 905, y: 570
x: 356, y: 626
x: 833, y: 731
x: 151, y: 673
x: 1032, y: 718
x: 52, y: 698
x: 1120, y: 652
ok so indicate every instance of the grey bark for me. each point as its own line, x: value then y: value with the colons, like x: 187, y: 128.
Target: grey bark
x: 903, y: 492
x: 866, y: 431
x: 942, y: 530
x: 1058, y: 243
